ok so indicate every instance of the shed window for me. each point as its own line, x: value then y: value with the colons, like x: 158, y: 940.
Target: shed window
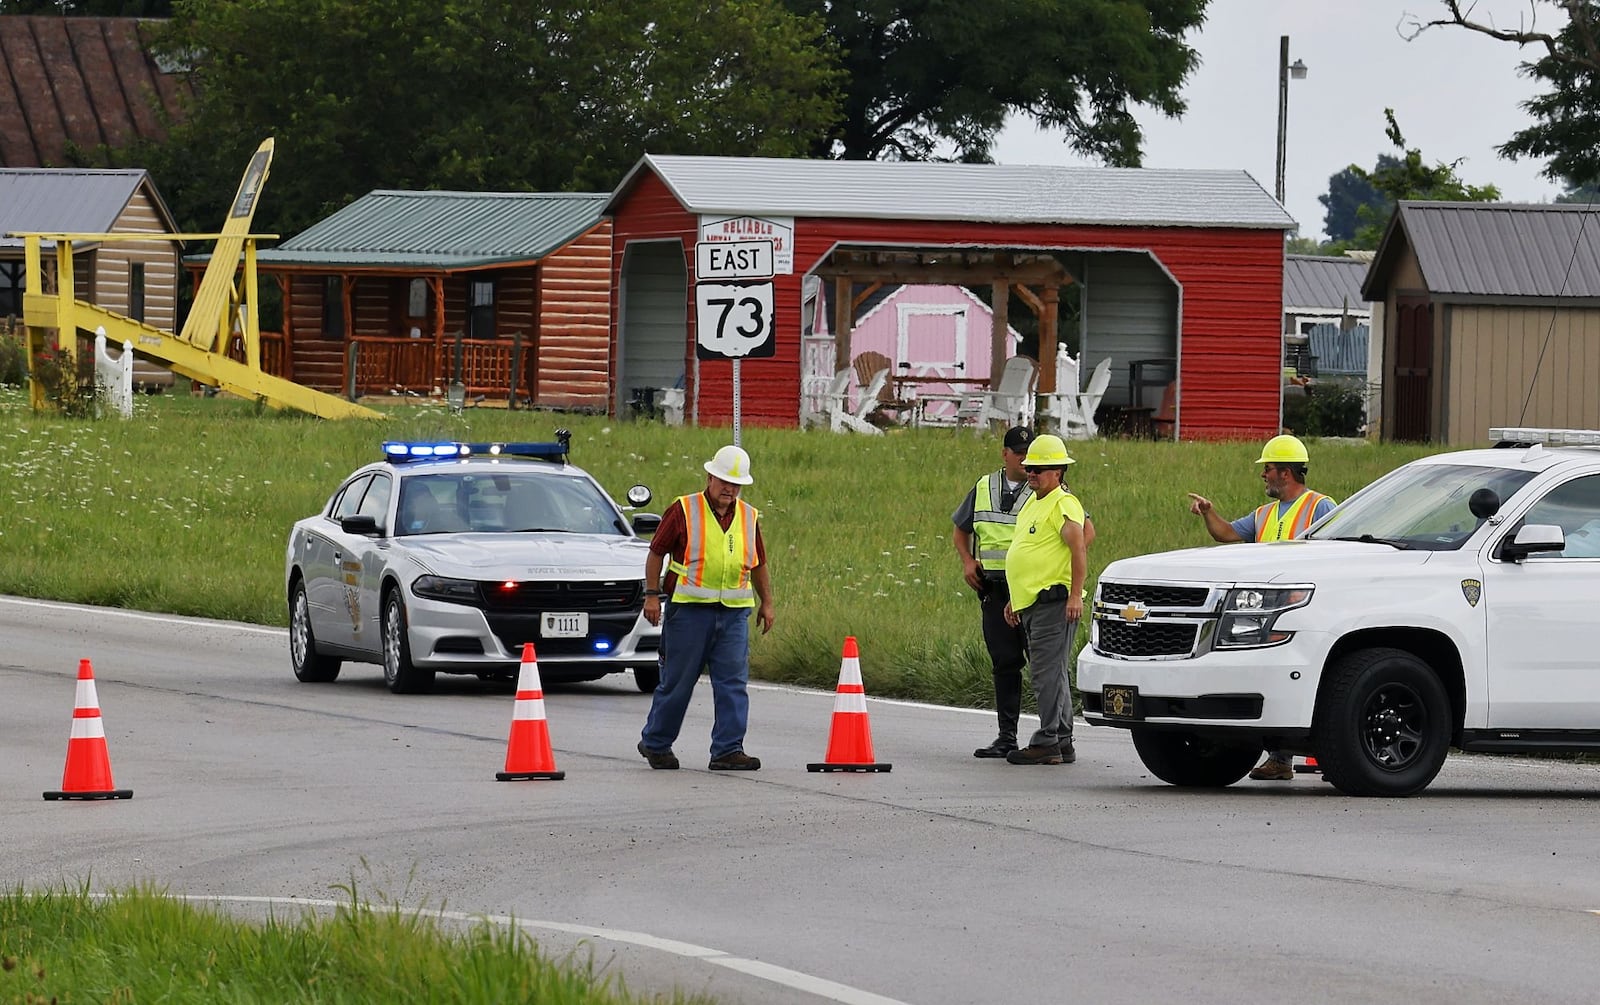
x: 136, y: 290
x: 333, y: 308
x: 480, y: 311
x: 417, y: 299
x: 12, y: 282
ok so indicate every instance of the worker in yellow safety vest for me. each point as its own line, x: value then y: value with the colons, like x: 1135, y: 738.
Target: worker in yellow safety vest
x: 1292, y: 509
x: 711, y: 544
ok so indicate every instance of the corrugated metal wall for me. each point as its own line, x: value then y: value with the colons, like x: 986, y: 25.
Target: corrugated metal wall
x: 1495, y: 355
x: 1131, y: 312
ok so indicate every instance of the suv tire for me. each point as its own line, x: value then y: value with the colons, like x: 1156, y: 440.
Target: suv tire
x: 1382, y: 725
x: 1194, y: 762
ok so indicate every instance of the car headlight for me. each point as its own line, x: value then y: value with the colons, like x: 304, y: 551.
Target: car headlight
x: 455, y: 591
x: 1249, y: 613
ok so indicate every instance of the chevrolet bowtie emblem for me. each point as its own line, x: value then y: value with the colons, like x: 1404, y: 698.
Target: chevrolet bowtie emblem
x: 1135, y: 612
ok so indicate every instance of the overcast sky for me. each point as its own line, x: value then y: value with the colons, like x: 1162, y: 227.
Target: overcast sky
x: 1456, y: 94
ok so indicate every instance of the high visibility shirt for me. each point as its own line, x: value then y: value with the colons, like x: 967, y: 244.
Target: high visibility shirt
x: 992, y: 523
x: 1275, y: 525
x: 1038, y: 558
x: 716, y: 564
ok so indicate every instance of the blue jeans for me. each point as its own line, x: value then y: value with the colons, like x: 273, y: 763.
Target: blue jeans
x: 696, y: 637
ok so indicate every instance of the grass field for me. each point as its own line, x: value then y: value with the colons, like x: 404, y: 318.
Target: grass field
x: 186, y: 507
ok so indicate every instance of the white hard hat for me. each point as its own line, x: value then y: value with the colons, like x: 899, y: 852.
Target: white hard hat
x: 731, y: 465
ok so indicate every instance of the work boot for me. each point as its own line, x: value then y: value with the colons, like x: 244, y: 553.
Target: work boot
x: 661, y: 760
x: 1068, y: 753
x: 1273, y: 771
x: 736, y: 761
x: 1001, y: 746
x: 1031, y: 754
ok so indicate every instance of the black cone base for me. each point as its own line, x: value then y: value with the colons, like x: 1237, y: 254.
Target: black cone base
x: 848, y: 767
x: 106, y: 794
x: 517, y: 776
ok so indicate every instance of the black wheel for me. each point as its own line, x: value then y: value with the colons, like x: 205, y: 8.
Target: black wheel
x: 309, y: 665
x: 1382, y: 724
x: 1194, y: 762
x: 646, y: 678
x: 398, y: 672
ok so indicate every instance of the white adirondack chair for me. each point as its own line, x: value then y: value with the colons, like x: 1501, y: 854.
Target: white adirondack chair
x: 1076, y: 411
x: 836, y: 412
x: 1011, y: 400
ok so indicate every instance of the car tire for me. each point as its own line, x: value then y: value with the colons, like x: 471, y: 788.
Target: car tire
x: 1194, y: 762
x: 310, y: 666
x: 1382, y: 725
x: 402, y: 676
x: 647, y: 678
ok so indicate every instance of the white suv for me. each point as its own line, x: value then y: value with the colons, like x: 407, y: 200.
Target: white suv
x: 1452, y: 602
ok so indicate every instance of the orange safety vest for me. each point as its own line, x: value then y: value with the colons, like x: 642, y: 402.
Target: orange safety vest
x: 1271, y: 527
x: 716, y: 563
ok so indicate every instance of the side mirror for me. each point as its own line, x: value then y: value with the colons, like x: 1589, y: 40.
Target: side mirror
x: 358, y: 524
x: 1535, y: 537
x: 638, y: 496
x: 645, y: 524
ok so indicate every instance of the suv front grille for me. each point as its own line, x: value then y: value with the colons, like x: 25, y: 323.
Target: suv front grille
x: 1136, y: 640
x: 1154, y: 594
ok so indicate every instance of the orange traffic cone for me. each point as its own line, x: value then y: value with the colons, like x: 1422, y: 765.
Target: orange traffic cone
x: 850, y: 737
x: 528, y: 755
x: 88, y: 772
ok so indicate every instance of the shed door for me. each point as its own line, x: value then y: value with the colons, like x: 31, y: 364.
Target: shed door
x: 653, y: 333
x: 1413, y: 368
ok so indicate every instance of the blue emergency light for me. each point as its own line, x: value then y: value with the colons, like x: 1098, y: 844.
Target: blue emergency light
x: 406, y: 451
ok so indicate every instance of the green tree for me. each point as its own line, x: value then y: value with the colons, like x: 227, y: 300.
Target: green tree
x: 929, y: 75
x: 1587, y: 192
x: 1347, y: 193
x: 1407, y: 177
x: 1566, y: 130
x: 560, y: 95
x: 89, y: 8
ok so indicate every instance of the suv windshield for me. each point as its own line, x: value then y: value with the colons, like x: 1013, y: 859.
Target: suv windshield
x: 1422, y: 506
x: 502, y: 502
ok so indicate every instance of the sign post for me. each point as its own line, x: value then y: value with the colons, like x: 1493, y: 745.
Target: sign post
x: 733, y: 315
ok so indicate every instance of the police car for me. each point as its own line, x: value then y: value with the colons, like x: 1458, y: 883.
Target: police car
x: 447, y: 557
x: 1451, y: 603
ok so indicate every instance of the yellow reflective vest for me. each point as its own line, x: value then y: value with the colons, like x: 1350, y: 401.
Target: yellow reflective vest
x: 993, y: 524
x: 1271, y: 527
x: 716, y: 563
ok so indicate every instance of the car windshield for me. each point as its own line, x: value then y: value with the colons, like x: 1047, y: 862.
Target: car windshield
x: 1423, y: 506
x: 504, y: 502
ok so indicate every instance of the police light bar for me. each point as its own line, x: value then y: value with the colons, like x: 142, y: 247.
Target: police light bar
x: 406, y: 451
x: 398, y: 451
x: 1527, y: 436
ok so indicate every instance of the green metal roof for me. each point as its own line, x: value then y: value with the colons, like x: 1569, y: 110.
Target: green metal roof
x: 442, y: 230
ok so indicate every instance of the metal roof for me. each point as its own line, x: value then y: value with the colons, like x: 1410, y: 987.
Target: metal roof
x: 66, y: 200
x: 1330, y: 283
x: 1477, y: 249
x: 442, y: 230
x: 990, y: 193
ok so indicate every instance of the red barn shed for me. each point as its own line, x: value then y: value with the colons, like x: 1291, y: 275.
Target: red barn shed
x: 1179, y: 275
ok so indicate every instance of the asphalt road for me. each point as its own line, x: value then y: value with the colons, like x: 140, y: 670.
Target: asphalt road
x: 948, y: 880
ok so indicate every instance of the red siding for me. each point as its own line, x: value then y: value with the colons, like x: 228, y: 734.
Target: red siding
x: 1231, y: 286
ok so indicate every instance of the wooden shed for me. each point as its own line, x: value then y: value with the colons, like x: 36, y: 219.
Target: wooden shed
x: 406, y: 292
x: 137, y: 279
x: 1181, y: 274
x: 1491, y: 318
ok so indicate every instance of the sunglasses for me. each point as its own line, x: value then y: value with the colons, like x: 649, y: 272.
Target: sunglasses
x: 1033, y: 470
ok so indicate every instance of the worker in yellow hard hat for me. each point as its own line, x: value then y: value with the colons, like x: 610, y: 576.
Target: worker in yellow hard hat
x: 1291, y: 509
x: 1046, y: 567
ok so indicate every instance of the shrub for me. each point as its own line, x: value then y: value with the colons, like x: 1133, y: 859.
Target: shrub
x: 1329, y: 408
x: 11, y: 352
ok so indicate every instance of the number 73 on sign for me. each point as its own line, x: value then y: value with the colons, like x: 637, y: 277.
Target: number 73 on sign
x: 734, y: 321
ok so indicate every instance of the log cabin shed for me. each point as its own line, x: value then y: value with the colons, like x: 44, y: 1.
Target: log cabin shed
x: 1181, y: 273
x: 376, y: 295
x: 1491, y: 317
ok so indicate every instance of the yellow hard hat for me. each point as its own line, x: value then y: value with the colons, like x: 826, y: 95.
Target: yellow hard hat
x: 1284, y: 449
x: 731, y: 465
x: 1047, y: 451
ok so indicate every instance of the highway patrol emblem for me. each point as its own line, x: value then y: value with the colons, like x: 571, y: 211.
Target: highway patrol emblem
x: 1472, y: 589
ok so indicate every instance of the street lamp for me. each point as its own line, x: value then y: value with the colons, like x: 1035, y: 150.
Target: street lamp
x: 1285, y: 71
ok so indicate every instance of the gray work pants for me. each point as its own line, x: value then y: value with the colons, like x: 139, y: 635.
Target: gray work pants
x: 1050, y: 637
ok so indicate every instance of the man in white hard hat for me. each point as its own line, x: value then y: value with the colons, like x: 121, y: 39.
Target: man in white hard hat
x: 1291, y: 509
x: 1046, y: 567
x: 711, y: 545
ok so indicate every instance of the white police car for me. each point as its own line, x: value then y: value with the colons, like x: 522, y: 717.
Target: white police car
x: 447, y: 557
x: 1451, y: 603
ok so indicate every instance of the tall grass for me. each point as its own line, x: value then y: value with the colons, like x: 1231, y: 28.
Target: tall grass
x: 187, y: 506
x: 140, y: 946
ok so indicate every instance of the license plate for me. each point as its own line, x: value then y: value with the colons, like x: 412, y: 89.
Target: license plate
x: 564, y: 626
x: 1119, y: 701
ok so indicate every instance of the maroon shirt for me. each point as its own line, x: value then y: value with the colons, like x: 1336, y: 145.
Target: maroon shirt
x: 671, y: 540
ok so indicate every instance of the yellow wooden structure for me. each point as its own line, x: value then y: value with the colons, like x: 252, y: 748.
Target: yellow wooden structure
x: 200, y: 350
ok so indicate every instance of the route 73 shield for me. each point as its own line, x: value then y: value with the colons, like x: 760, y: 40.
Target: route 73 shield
x: 734, y: 321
